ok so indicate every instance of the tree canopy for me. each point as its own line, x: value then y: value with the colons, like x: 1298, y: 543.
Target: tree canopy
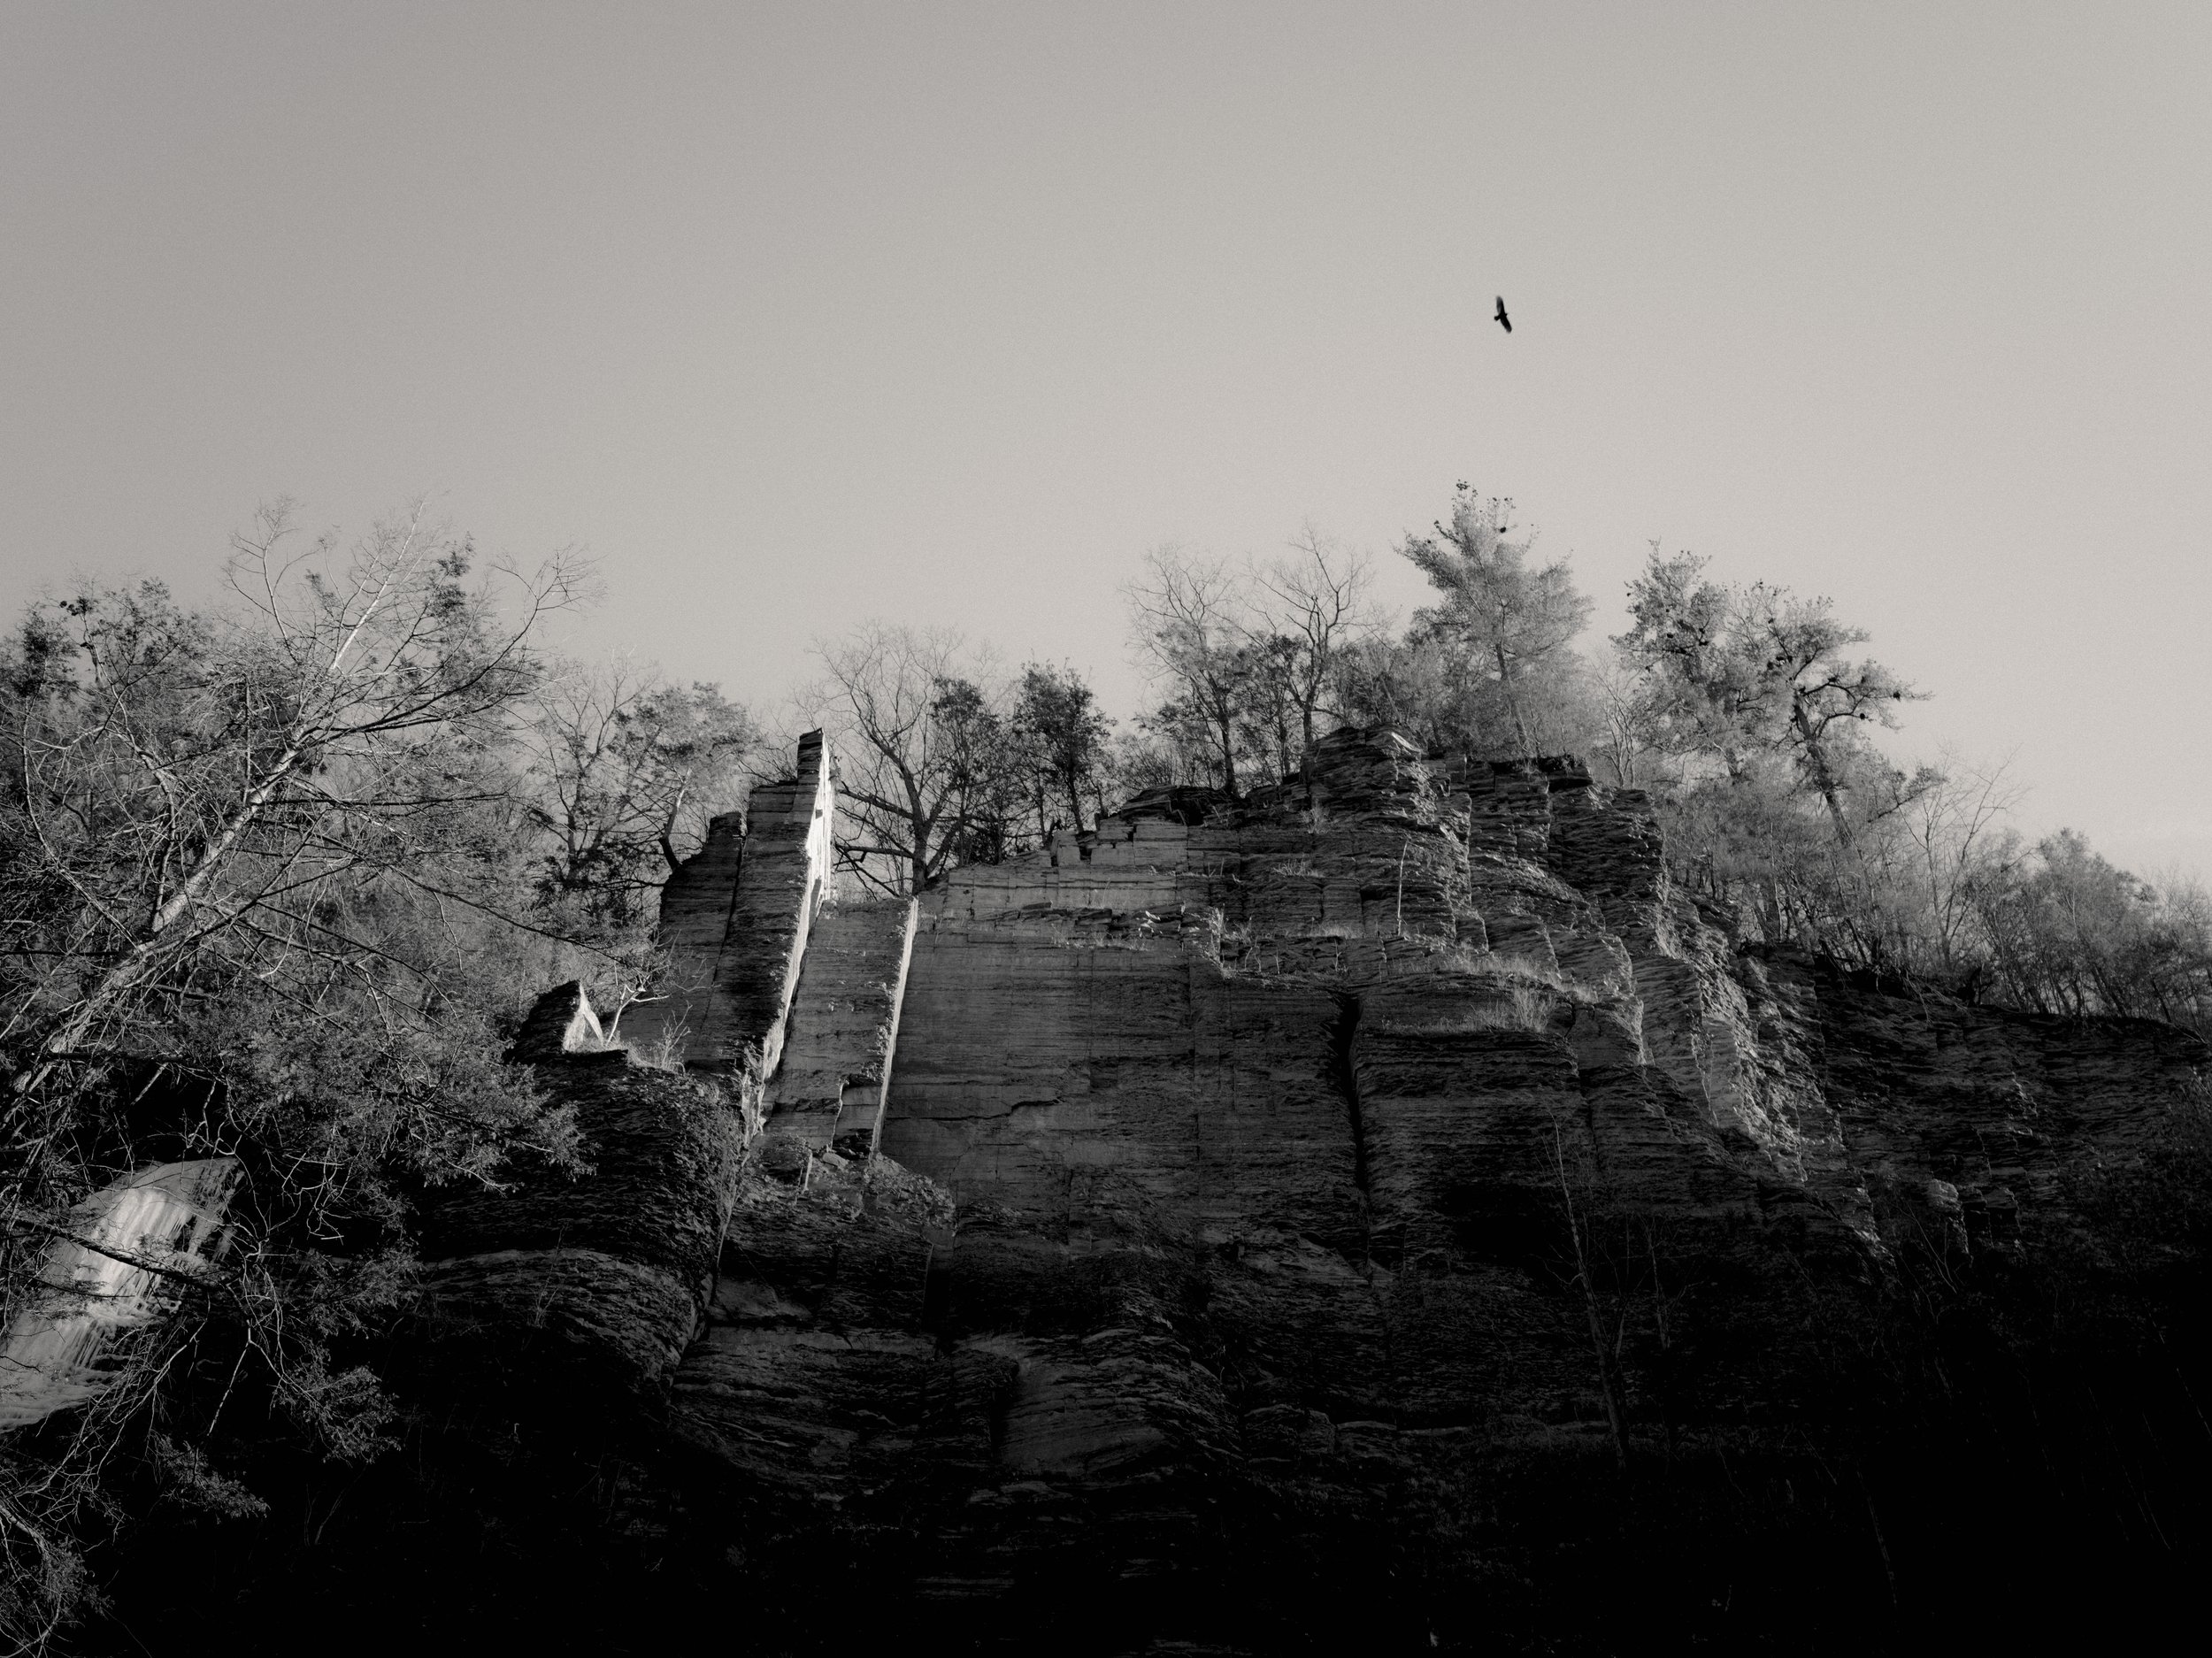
x: 278, y: 875
x: 1506, y: 614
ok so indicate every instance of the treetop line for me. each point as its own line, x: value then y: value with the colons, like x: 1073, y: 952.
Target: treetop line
x: 277, y: 878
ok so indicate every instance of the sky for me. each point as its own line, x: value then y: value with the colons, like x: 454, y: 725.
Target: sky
x: 792, y: 316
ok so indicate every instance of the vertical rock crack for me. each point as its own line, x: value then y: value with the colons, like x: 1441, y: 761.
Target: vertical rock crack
x: 1344, y: 1076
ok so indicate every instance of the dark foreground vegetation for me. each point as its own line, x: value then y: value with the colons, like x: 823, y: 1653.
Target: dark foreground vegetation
x: 280, y: 877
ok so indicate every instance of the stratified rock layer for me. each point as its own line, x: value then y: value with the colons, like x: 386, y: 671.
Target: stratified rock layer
x: 842, y: 1030
x: 119, y: 1267
x: 1314, y: 1161
x: 1296, y: 1223
x: 734, y: 919
x: 589, y: 1284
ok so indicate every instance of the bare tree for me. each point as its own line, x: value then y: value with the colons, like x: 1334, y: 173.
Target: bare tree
x: 1251, y: 650
x: 915, y: 720
x: 1311, y: 607
x: 1950, y: 829
x: 195, y: 784
x: 1191, y: 623
x: 1630, y: 728
x: 1804, y: 645
x: 627, y: 769
x: 2067, y: 931
x: 257, y: 878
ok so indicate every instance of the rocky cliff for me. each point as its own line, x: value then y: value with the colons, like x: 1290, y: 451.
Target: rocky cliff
x: 1390, y: 1218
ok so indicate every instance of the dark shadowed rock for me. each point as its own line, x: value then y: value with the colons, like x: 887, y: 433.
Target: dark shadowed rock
x: 1394, y: 1218
x: 599, y: 1277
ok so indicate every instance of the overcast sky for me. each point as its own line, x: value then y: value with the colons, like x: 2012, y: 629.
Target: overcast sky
x: 796, y: 314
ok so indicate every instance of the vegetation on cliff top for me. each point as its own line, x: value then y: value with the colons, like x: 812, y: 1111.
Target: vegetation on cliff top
x: 1742, y: 708
x: 277, y: 878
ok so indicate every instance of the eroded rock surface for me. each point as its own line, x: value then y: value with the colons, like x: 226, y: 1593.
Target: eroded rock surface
x: 589, y: 1283
x: 735, y: 919
x: 1303, y: 1199
x: 120, y: 1265
x: 841, y: 1031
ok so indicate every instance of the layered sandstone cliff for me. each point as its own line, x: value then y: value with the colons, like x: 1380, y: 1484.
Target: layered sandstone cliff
x: 1149, y: 1243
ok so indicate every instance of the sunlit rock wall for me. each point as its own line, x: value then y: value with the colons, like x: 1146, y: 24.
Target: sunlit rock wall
x: 1247, y: 1194
x: 735, y: 919
x: 840, y: 1032
x: 120, y: 1263
x: 1260, y: 1148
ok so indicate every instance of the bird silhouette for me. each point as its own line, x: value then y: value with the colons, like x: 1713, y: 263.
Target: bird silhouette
x: 1504, y: 321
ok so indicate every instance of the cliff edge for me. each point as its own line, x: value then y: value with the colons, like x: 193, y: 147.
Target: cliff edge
x: 1390, y: 1218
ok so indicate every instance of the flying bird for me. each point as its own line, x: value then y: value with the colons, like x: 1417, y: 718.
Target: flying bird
x: 1504, y: 321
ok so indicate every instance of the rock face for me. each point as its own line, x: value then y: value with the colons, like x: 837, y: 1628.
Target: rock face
x: 583, y: 1288
x: 1260, y: 1227
x: 133, y: 1252
x: 843, y: 1028
x: 735, y: 920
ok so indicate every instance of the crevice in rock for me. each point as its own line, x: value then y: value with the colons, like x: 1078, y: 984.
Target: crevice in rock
x: 1344, y: 1076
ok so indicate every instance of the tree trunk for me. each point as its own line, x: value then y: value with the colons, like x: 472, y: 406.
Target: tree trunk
x: 1225, y: 719
x: 126, y: 973
x: 1305, y: 750
x: 668, y: 828
x: 1513, y: 703
x: 1817, y: 758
